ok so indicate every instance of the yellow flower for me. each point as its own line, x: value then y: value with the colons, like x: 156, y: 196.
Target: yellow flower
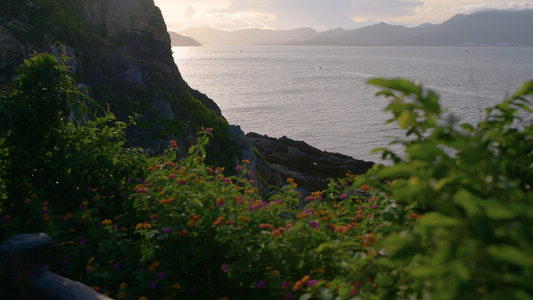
x: 121, y: 295
x: 176, y: 286
x: 123, y: 285
x: 138, y: 226
x: 143, y: 298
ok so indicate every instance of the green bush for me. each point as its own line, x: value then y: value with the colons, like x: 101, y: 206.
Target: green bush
x: 450, y: 219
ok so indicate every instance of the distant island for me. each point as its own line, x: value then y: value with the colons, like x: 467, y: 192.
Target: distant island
x: 180, y: 40
x: 497, y: 28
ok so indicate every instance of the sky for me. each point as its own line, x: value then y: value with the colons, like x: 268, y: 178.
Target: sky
x: 320, y: 15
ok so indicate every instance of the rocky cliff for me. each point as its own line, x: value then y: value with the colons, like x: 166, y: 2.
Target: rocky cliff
x: 120, y: 50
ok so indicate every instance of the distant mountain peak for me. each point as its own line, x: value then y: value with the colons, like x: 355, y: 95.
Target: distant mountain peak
x: 483, y: 28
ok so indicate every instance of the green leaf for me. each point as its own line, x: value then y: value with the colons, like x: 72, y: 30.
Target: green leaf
x: 468, y: 201
x: 499, y: 211
x: 397, y: 171
x: 406, y: 119
x: 526, y: 89
x: 431, y: 103
x: 306, y: 296
x: 435, y: 219
x: 163, y: 236
x: 138, y: 202
x: 510, y: 254
x: 400, y: 85
x: 425, y: 151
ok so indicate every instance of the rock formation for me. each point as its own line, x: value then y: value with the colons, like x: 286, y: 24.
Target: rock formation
x: 310, y: 167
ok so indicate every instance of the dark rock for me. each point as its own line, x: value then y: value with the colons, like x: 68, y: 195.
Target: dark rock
x: 244, y: 145
x: 311, y: 168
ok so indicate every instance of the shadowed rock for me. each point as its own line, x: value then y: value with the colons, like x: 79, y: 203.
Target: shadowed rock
x: 311, y: 168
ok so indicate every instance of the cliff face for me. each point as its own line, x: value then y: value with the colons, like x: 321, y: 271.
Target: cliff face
x: 121, y: 50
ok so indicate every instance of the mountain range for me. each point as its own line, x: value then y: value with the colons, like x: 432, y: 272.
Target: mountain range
x: 484, y: 28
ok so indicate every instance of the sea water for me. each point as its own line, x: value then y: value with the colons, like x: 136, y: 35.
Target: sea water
x: 320, y: 94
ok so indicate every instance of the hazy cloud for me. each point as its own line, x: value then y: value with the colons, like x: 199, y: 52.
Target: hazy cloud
x: 383, y: 9
x: 190, y: 12
x: 318, y: 14
x: 289, y: 14
x: 470, y: 8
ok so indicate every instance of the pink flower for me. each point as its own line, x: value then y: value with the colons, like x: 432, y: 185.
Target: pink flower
x: 312, y: 282
x: 117, y: 265
x: 375, y: 206
x: 285, y: 285
x: 314, y: 224
x: 167, y: 230
x: 261, y: 284
x: 344, y: 196
x: 161, y: 275
x: 289, y: 296
x: 153, y: 285
x: 83, y: 240
x: 225, y: 268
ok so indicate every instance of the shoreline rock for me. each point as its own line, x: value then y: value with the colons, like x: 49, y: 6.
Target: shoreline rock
x: 311, y: 168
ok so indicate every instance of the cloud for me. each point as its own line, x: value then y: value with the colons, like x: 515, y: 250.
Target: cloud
x: 318, y: 14
x: 384, y: 9
x: 190, y: 12
x: 470, y: 8
x: 290, y: 14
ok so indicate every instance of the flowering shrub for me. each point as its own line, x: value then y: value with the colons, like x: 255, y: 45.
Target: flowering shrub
x: 451, y: 218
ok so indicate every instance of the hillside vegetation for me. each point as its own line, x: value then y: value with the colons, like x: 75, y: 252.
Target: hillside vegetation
x: 451, y: 218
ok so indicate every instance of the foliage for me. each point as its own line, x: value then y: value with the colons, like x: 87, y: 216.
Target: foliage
x: 46, y: 153
x: 449, y: 219
x: 471, y: 185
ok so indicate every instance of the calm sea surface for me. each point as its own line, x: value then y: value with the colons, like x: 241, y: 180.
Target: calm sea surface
x: 319, y: 94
